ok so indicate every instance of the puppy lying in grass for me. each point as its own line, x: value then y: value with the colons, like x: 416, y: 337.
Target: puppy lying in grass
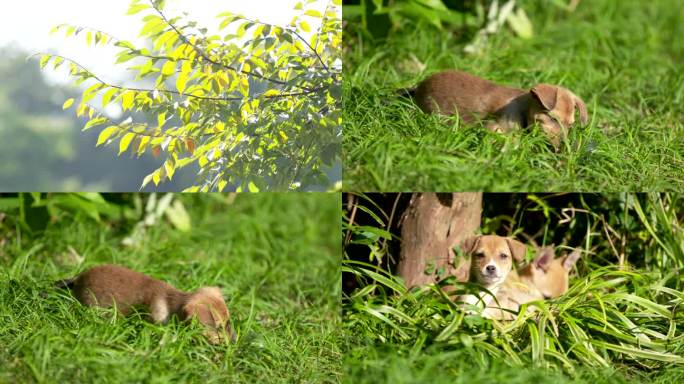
x: 491, y: 260
x: 543, y: 278
x: 473, y: 98
x: 112, y: 285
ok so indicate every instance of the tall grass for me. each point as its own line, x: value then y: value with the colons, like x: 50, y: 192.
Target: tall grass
x: 275, y: 256
x: 622, y: 312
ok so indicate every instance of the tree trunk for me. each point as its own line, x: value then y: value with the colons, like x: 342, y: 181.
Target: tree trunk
x: 431, y: 225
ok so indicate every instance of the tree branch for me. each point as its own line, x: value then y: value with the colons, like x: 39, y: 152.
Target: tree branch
x: 260, y: 96
x: 312, y: 50
x: 293, y: 31
x: 207, y: 58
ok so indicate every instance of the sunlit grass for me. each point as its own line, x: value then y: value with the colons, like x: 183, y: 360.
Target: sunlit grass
x: 276, y: 257
x: 620, y: 57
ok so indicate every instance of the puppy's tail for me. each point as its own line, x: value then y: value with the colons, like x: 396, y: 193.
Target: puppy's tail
x: 66, y: 283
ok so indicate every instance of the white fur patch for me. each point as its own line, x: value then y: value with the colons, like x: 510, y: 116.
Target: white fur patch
x: 159, y: 310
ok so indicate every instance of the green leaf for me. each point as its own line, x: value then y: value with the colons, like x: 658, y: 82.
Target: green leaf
x: 106, y: 134
x: 55, y: 29
x: 68, y: 103
x: 169, y: 68
x: 94, y: 122
x: 182, y: 81
x: 304, y: 26
x: 107, y: 97
x: 161, y: 119
x: 135, y: 8
x: 146, y: 180
x: 127, y: 99
x: 252, y: 187
x: 44, y: 60
x: 313, y: 13
x: 125, y: 142
x: 169, y: 168
x: 57, y: 62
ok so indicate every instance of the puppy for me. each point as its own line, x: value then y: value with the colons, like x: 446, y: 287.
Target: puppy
x: 473, y: 98
x: 491, y: 260
x: 112, y: 285
x: 543, y: 278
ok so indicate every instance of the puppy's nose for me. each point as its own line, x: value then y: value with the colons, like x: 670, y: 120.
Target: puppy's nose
x: 491, y: 268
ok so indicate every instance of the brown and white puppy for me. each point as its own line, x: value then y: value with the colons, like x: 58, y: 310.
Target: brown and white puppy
x: 543, y: 278
x: 491, y: 260
x: 474, y: 98
x: 112, y: 285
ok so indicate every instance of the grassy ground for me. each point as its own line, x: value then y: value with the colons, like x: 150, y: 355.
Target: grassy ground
x: 276, y: 257
x: 621, y: 57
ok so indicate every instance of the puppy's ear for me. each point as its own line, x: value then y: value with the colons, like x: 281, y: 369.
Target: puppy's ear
x: 570, y: 260
x: 546, y: 94
x: 544, y: 259
x: 579, y: 104
x: 469, y: 243
x: 517, y: 248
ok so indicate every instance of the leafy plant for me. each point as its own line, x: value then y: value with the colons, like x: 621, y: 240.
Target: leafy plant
x: 254, y: 109
x: 622, y: 309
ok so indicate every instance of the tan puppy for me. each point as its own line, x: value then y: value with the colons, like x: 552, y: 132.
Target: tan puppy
x: 473, y: 98
x: 543, y: 278
x: 491, y: 260
x: 112, y: 285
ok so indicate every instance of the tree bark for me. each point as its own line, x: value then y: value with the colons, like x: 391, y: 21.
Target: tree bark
x: 431, y: 225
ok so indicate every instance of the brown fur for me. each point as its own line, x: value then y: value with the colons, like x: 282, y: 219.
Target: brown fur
x: 491, y: 260
x: 474, y: 98
x: 112, y: 285
x: 543, y: 278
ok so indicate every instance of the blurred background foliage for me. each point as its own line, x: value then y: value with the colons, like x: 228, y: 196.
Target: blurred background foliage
x: 43, y: 149
x: 472, y: 19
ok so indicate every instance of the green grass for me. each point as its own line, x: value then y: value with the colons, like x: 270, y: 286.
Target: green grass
x: 275, y: 255
x: 622, y: 57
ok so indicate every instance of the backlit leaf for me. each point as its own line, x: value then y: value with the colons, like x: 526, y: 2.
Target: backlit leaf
x: 313, y: 13
x: 304, y: 26
x: 182, y: 81
x: 135, y: 8
x: 125, y: 142
x: 68, y: 103
x: 106, y: 134
x: 94, y: 122
x: 127, y: 99
x: 44, y: 60
x: 107, y: 97
x: 169, y: 68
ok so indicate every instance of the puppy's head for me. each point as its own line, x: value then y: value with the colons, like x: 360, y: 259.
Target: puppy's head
x: 550, y: 276
x: 491, y: 257
x: 207, y: 305
x: 554, y: 109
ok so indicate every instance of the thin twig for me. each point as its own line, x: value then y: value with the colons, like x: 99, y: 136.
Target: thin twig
x: 313, y: 50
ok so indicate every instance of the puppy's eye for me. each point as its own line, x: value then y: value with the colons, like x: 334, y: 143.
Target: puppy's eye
x: 555, y: 119
x: 503, y: 256
x: 479, y: 255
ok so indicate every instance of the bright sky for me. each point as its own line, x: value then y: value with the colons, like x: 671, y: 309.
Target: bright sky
x: 27, y: 23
